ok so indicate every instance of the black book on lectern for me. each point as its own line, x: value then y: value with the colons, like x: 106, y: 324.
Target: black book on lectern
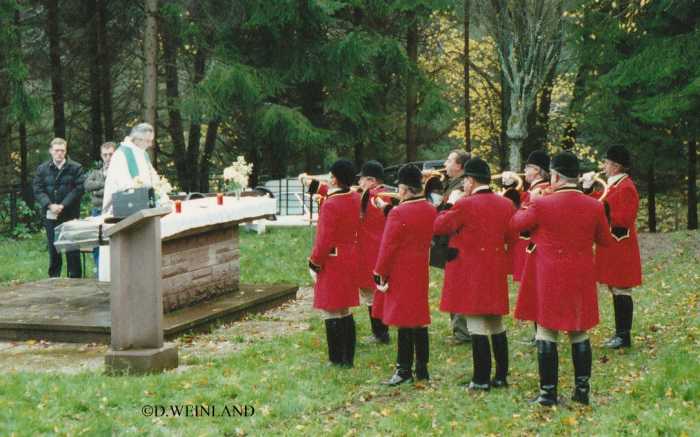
x: 132, y: 200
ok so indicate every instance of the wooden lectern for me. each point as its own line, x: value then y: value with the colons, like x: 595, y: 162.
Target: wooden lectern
x: 136, y: 296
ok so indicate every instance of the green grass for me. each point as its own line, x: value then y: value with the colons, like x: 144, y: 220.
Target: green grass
x: 24, y: 260
x: 652, y: 389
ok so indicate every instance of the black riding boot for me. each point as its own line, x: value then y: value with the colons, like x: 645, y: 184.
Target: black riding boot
x: 422, y: 347
x: 334, y: 340
x: 582, y: 357
x: 548, y: 363
x: 349, y: 339
x: 481, y: 359
x: 404, y: 359
x: 500, y: 354
x: 624, y: 309
x: 380, y: 332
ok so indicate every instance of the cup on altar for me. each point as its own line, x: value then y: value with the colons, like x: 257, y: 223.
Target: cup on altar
x: 178, y: 206
x: 219, y: 198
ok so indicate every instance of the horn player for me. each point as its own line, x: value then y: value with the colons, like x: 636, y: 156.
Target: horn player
x: 372, y: 221
x: 333, y: 263
x: 537, y: 176
x: 619, y: 265
x: 476, y: 274
x: 558, y: 287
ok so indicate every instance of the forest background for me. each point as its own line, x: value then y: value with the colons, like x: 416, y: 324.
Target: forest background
x: 294, y: 84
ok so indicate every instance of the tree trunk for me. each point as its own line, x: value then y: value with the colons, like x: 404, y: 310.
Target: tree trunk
x: 651, y: 205
x: 411, y: 88
x: 692, y: 184
x: 23, y: 171
x: 538, y: 119
x: 205, y: 163
x: 170, y: 47
x: 150, y: 52
x: 257, y: 160
x: 195, y: 125
x: 312, y: 107
x: 467, y: 103
x: 544, y: 107
x: 359, y: 153
x: 52, y: 33
x: 505, y: 109
x: 94, y: 59
x: 105, y: 61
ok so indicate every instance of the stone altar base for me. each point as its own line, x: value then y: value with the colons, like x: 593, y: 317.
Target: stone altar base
x: 77, y: 310
x: 141, y: 361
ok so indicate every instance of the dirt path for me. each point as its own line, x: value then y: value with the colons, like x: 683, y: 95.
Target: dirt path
x: 41, y: 356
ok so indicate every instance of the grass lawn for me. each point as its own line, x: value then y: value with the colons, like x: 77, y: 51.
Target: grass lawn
x: 651, y: 389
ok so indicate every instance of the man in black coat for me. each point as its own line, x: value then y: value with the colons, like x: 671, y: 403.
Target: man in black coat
x: 58, y: 187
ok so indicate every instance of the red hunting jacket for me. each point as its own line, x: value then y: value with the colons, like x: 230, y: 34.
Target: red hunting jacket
x: 403, y: 262
x: 519, y: 249
x: 371, y: 229
x: 620, y: 265
x: 335, y: 252
x: 558, y: 288
x: 476, y: 273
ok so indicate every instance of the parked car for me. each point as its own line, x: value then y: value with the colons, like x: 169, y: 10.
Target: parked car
x: 391, y: 173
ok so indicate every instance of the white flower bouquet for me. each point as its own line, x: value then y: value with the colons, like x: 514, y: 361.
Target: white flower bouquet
x: 161, y: 188
x: 236, y: 175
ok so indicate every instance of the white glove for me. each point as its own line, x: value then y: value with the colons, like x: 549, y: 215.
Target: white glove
x: 383, y: 288
x: 379, y: 202
x: 454, y: 196
x: 508, y: 178
x: 314, y: 275
x: 588, y: 179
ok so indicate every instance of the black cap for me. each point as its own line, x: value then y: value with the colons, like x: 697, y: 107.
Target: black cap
x: 411, y: 175
x: 539, y: 158
x: 344, y: 172
x: 565, y: 163
x: 478, y: 169
x: 373, y: 169
x: 620, y: 155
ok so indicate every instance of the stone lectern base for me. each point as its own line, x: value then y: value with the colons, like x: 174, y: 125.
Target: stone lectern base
x: 141, y: 361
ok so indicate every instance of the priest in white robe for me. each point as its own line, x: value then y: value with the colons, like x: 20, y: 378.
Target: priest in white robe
x: 130, y: 166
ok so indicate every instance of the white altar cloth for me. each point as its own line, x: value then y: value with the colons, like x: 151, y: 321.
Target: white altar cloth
x: 199, y: 213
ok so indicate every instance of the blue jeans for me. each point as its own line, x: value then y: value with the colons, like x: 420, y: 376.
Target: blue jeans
x: 94, y: 212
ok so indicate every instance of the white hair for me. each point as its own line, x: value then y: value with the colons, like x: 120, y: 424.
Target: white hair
x: 141, y: 130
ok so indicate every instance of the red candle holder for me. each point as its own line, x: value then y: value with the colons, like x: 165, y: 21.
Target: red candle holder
x: 178, y: 206
x: 219, y: 198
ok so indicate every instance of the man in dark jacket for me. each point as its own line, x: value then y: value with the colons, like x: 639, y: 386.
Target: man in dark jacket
x: 454, y: 167
x: 58, y: 187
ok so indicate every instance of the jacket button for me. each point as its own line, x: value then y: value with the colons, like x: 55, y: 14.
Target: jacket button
x: 482, y: 249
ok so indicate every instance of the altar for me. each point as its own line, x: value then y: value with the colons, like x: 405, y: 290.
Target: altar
x: 200, y: 249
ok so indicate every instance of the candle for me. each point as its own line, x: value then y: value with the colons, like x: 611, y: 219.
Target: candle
x: 219, y: 198
x: 178, y: 206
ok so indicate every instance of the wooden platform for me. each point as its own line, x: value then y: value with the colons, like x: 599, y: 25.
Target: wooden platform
x: 77, y: 310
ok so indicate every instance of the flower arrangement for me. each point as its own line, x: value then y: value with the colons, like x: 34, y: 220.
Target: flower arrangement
x: 161, y: 188
x: 236, y: 175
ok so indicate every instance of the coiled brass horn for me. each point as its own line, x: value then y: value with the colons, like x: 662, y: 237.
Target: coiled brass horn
x: 305, y: 178
x: 602, y: 182
x: 518, y: 176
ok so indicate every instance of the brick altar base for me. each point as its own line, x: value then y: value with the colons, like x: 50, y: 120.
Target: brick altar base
x: 199, y: 265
